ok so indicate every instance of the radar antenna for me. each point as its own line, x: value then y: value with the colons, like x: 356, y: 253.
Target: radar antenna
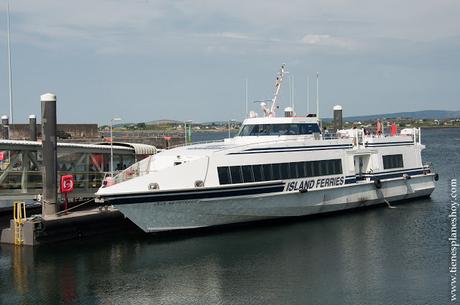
x: 278, y: 82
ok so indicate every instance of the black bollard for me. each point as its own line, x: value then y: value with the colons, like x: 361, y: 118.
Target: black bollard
x: 33, y: 127
x: 5, y: 127
x: 49, y: 148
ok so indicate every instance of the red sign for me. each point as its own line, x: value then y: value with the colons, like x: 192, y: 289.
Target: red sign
x: 67, y: 183
x: 2, y: 155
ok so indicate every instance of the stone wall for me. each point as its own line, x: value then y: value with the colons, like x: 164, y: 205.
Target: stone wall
x: 76, y: 131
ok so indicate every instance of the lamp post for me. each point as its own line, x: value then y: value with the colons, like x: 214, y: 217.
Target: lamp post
x: 111, y: 143
x: 185, y: 130
x: 229, y: 127
x: 185, y: 133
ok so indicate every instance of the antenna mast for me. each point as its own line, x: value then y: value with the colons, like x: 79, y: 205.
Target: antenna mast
x: 317, y: 95
x: 246, y: 92
x: 308, y: 94
x: 293, y: 92
x: 10, y: 85
x: 278, y: 82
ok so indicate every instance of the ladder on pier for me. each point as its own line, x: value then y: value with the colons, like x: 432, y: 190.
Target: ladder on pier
x: 19, y: 217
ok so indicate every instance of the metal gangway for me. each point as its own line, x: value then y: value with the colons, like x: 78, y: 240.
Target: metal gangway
x: 21, y: 162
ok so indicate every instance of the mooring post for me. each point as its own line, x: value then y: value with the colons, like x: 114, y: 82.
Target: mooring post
x: 49, y: 149
x: 33, y: 127
x: 5, y: 127
x: 338, y: 118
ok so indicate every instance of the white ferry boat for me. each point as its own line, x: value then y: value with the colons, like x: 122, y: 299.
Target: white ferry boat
x: 275, y: 167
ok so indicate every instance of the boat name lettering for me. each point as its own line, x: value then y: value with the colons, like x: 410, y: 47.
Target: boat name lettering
x: 314, y: 183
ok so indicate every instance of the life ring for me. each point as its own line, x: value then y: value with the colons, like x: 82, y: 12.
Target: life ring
x: 378, y: 183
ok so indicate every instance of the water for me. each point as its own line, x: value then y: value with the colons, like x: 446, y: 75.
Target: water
x: 375, y: 256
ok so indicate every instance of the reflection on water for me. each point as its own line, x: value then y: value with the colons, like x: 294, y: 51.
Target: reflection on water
x: 376, y: 256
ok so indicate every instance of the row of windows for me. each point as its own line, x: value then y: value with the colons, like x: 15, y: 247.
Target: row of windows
x: 392, y: 161
x: 278, y: 129
x: 278, y: 171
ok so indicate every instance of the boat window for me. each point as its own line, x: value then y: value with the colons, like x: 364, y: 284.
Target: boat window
x: 278, y: 171
x: 330, y: 168
x: 278, y: 129
x: 392, y: 161
x: 285, y: 171
x: 323, y: 168
x: 258, y: 173
x: 284, y: 129
x: 293, y: 170
x: 249, y: 130
x: 224, y: 175
x: 267, y: 172
x: 309, y: 169
x: 247, y: 173
x: 315, y: 166
x: 309, y: 128
x: 301, y: 169
x: 338, y: 166
x: 235, y: 172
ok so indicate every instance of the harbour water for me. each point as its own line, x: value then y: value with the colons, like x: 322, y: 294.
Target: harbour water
x: 372, y: 256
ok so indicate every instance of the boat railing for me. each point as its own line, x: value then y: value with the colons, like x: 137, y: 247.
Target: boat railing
x: 195, y: 143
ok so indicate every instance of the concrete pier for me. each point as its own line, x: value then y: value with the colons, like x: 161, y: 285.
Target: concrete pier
x: 74, y: 225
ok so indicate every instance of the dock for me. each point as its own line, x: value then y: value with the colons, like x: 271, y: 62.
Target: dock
x: 79, y: 224
x: 33, y: 171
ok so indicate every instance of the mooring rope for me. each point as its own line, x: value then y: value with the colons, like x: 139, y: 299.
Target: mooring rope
x: 74, y: 207
x: 389, y: 205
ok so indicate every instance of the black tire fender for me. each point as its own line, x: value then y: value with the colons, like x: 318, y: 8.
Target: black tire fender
x: 378, y: 183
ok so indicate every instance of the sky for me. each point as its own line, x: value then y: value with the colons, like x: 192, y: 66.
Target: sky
x: 145, y: 60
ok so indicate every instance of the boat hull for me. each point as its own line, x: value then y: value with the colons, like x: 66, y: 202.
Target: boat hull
x: 166, y: 215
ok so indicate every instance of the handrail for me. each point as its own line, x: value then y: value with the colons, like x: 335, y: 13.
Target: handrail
x: 195, y: 143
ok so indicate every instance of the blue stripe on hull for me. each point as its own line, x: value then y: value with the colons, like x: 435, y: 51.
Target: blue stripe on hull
x: 195, y: 194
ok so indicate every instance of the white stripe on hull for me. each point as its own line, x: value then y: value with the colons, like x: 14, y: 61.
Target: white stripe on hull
x: 188, y: 214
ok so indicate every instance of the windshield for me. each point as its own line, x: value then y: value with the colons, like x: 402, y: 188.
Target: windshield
x: 278, y: 129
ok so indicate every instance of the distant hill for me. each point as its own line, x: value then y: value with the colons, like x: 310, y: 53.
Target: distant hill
x: 163, y: 122
x: 424, y: 114
x: 417, y: 115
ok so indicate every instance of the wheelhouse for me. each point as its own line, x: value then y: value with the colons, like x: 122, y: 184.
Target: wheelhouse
x: 278, y: 129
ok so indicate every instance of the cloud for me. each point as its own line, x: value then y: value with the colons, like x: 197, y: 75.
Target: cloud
x: 324, y: 40
x: 234, y: 35
x: 132, y: 25
x: 125, y: 43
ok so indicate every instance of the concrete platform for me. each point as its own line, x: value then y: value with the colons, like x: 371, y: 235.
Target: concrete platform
x: 37, y: 230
